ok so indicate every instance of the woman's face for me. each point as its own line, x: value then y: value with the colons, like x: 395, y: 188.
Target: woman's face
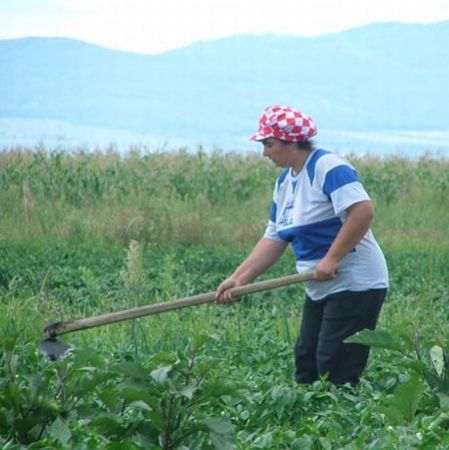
x: 279, y: 152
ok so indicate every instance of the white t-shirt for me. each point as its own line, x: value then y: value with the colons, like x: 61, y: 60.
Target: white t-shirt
x: 308, y: 211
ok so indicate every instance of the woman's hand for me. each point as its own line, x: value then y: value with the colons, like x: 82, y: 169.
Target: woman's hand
x: 223, y: 294
x: 264, y: 255
x: 326, y: 269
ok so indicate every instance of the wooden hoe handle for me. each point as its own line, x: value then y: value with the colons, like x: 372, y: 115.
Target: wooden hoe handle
x: 58, y: 328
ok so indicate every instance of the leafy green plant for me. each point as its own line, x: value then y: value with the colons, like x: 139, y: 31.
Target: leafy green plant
x: 25, y: 404
x: 402, y: 407
x: 172, y: 400
x: 431, y: 364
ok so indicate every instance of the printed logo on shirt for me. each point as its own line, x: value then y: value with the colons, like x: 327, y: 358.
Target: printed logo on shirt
x: 287, y: 215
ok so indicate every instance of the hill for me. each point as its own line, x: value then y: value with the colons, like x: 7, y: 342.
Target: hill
x: 386, y: 79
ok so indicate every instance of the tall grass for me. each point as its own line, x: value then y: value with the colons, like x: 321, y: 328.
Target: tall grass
x: 161, y: 197
x: 194, y: 198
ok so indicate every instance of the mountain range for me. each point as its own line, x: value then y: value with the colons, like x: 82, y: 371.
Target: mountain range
x: 380, y: 87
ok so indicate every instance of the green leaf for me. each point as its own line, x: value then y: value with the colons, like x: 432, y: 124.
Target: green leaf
x: 325, y: 443
x: 405, y: 400
x: 108, y: 424
x: 375, y: 338
x: 12, y: 363
x: 139, y: 404
x: 11, y: 397
x: 414, y: 364
x: 134, y: 394
x: 160, y: 375
x: 59, y: 430
x: 393, y: 413
x: 23, y: 426
x: 303, y: 443
x: 89, y: 382
x: 221, y: 442
x: 131, y: 370
x: 204, y: 366
x: 437, y: 357
x: 122, y: 446
x: 199, y: 340
x: 8, y: 340
x: 87, y: 357
x: 156, y: 419
x: 108, y: 395
x: 188, y: 391
x: 219, y: 425
x: 444, y: 400
x: 407, y: 338
x: 423, y: 370
x: 4, y: 422
x: 217, y: 388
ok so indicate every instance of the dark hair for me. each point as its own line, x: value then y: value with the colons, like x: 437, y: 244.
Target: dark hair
x: 305, y: 145
x: 302, y: 145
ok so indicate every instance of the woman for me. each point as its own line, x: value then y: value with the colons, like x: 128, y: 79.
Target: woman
x: 321, y: 209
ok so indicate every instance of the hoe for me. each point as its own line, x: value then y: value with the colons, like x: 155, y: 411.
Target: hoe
x: 55, y: 350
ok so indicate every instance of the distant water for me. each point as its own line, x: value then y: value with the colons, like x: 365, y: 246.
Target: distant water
x: 385, y: 142
x: 30, y: 133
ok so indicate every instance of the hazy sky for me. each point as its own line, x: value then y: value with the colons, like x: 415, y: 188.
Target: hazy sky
x: 152, y: 26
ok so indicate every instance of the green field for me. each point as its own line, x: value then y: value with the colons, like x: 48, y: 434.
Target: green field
x: 83, y: 234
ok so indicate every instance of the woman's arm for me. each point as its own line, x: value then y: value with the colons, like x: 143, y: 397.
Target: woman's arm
x: 357, y: 223
x: 264, y: 255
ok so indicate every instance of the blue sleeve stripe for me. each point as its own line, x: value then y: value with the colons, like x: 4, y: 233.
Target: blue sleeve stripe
x: 312, y: 163
x: 273, y: 212
x: 338, y: 177
x: 282, y: 177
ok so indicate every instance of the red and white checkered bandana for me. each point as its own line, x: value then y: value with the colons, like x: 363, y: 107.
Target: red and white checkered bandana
x: 285, y: 123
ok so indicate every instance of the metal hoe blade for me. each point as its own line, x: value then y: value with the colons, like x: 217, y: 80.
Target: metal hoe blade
x: 54, y: 350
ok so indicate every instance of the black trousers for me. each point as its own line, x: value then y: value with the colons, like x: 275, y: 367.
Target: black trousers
x: 325, y: 324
